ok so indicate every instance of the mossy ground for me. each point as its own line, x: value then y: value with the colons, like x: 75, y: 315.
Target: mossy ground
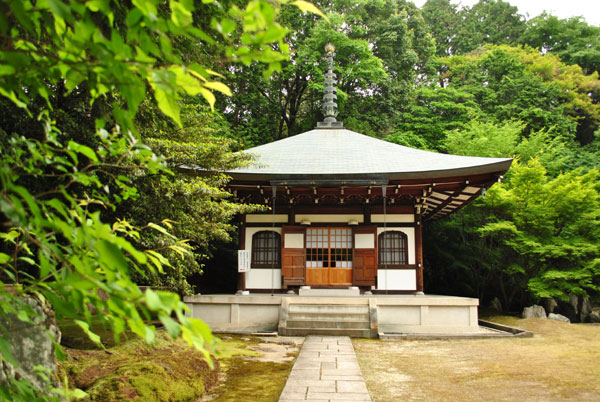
x: 560, y: 363
x: 166, y: 371
x: 246, y: 375
x: 172, y: 371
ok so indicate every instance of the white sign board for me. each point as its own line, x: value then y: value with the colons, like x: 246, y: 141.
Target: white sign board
x: 243, y: 260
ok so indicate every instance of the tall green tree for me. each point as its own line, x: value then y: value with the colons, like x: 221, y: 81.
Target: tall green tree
x: 382, y: 48
x: 59, y: 185
x: 521, y: 84
x: 574, y: 40
x: 462, y: 30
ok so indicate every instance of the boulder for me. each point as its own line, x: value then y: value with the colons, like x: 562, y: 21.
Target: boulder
x: 558, y: 317
x: 550, y: 305
x: 585, y: 309
x: 574, y: 301
x: 566, y: 308
x: 31, y: 346
x: 534, y: 311
x: 496, y: 305
x: 594, y: 317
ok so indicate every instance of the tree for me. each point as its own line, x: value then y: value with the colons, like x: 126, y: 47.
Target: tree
x: 57, y: 186
x: 460, y: 31
x: 552, y: 226
x: 444, y: 21
x: 519, y: 83
x: 430, y: 113
x: 575, y: 41
x: 382, y: 48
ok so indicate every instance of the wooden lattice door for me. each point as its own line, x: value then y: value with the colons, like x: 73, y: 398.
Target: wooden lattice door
x: 329, y: 256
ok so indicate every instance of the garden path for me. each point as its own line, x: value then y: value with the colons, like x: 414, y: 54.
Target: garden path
x: 326, y: 370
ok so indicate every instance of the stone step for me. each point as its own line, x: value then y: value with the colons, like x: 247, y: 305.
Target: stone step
x: 354, y: 333
x: 326, y: 324
x: 328, y: 316
x: 329, y: 308
x: 349, y: 292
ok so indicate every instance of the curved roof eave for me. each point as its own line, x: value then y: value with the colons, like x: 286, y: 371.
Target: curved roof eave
x: 496, y: 167
x: 342, y: 154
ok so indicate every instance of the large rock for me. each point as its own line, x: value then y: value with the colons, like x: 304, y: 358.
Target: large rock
x: 550, y: 305
x: 496, y: 305
x: 567, y: 309
x: 558, y: 317
x: 594, y: 317
x: 31, y: 346
x: 534, y: 311
x: 585, y: 309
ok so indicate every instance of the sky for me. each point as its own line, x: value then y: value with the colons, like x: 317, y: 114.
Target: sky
x: 589, y: 9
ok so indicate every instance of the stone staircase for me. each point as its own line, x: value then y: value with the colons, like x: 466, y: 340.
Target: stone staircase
x: 355, y: 318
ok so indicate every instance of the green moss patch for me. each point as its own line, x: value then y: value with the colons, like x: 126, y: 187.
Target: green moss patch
x: 250, y: 371
x: 168, y: 371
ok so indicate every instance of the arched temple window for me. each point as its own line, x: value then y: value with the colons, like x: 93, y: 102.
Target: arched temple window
x: 393, y: 249
x: 266, y: 249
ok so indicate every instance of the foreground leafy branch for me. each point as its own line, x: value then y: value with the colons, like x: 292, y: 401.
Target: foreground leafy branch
x: 61, y: 188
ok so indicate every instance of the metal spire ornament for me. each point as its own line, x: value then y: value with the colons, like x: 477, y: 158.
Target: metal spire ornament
x: 330, y: 109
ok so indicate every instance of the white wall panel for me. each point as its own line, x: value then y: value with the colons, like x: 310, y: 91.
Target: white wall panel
x: 396, y: 279
x: 393, y: 218
x: 337, y: 218
x: 262, y: 278
x: 364, y: 240
x: 294, y: 240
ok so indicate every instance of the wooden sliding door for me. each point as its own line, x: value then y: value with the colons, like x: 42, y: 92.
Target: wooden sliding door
x: 329, y: 256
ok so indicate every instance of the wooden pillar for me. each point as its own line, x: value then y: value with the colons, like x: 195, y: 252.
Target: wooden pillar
x: 241, y: 276
x: 419, y: 251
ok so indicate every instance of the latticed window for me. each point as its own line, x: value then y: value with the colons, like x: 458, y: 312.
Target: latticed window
x: 329, y: 248
x: 266, y: 249
x: 392, y: 248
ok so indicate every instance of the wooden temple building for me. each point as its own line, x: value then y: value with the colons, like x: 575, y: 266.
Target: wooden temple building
x: 347, y: 212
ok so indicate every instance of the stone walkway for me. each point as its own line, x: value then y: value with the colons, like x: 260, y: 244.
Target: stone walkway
x: 326, y: 370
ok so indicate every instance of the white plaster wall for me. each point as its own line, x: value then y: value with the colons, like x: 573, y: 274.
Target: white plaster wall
x: 250, y: 232
x: 364, y: 240
x: 294, y: 240
x: 393, y: 218
x: 396, y: 279
x: 263, y: 278
x: 337, y: 218
x: 266, y: 218
x: 410, y: 234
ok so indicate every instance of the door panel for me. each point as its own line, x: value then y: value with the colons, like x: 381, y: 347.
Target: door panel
x: 293, y: 259
x: 328, y: 256
x: 365, y: 259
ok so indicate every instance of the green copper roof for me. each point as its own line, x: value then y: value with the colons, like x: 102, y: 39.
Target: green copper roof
x: 340, y: 153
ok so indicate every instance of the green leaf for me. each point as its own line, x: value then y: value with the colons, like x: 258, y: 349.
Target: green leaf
x: 84, y: 150
x: 76, y: 394
x: 61, y: 9
x: 210, y: 98
x: 5, y: 352
x: 86, y: 329
x: 111, y: 256
x: 218, y: 86
x: 152, y: 300
x: 306, y: 6
x: 171, y: 325
x: 168, y: 104
x: 4, y: 258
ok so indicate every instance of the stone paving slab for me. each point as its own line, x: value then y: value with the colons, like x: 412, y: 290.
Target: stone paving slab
x: 326, y: 370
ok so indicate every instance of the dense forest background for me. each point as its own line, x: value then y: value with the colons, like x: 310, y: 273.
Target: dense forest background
x: 478, y: 80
